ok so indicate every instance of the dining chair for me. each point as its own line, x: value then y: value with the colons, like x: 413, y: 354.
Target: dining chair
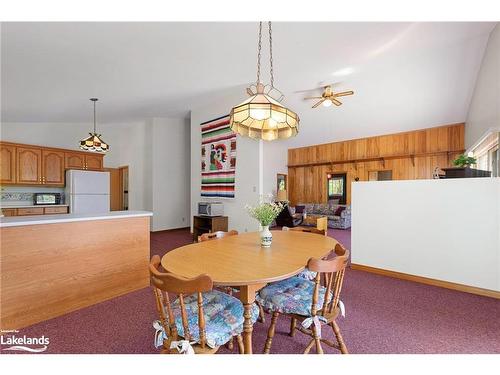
x: 307, y: 274
x: 309, y: 302
x: 216, y: 235
x: 229, y: 290
x: 309, y: 230
x: 200, y: 319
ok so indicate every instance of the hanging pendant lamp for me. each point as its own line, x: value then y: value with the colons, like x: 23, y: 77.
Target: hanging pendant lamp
x: 262, y: 116
x: 94, y: 142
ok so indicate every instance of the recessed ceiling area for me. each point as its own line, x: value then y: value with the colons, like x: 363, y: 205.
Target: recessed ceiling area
x: 404, y: 75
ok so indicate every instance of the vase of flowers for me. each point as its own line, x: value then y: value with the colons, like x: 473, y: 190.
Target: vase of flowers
x: 265, y: 213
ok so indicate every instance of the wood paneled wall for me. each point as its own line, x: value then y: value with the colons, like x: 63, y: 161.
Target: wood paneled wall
x: 410, y: 155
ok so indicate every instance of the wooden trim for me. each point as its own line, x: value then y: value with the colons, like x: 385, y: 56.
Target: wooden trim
x: 380, y: 158
x: 428, y: 281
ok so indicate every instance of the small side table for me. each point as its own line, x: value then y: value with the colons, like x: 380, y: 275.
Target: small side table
x: 208, y: 224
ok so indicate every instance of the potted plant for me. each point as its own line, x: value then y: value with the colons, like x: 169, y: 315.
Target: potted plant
x: 265, y: 213
x: 464, y: 161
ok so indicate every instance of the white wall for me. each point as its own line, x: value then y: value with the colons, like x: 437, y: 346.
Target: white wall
x: 442, y: 229
x: 275, y: 161
x: 170, y: 180
x: 248, y: 154
x: 484, y: 110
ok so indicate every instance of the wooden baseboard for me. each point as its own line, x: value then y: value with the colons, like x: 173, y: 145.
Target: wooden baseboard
x: 428, y: 281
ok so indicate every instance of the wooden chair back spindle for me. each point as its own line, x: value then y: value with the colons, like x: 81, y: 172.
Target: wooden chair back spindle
x: 165, y: 283
x: 334, y: 270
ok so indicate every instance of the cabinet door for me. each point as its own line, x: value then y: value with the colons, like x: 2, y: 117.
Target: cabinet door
x: 7, y: 164
x: 94, y: 162
x: 29, y: 165
x: 74, y: 160
x: 9, y: 211
x: 53, y: 167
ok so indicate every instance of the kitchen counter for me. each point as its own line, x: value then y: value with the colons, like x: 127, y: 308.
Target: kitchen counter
x: 15, y: 221
x: 71, y: 260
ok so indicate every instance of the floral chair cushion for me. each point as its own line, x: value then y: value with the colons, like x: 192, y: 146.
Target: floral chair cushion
x: 308, y: 275
x: 223, y: 317
x: 290, y: 296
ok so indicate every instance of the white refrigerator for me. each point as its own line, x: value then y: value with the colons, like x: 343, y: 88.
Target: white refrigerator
x: 87, y: 192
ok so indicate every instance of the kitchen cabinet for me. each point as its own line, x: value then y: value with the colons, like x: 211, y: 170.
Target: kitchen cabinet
x: 81, y: 160
x: 74, y: 160
x: 22, y: 164
x: 94, y: 162
x: 28, y: 211
x: 53, y: 167
x: 9, y: 212
x: 29, y: 165
x: 55, y: 210
x: 7, y: 164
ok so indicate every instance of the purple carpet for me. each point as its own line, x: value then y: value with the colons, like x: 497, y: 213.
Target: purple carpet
x: 383, y: 315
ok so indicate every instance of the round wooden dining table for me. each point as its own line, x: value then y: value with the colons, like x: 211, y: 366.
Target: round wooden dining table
x: 240, y: 261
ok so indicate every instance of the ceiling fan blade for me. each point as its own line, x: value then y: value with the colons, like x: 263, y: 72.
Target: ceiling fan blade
x: 336, y: 102
x: 318, y: 103
x: 313, y: 97
x: 343, y: 93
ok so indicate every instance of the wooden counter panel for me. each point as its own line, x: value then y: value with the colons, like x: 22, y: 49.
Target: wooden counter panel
x: 52, y: 269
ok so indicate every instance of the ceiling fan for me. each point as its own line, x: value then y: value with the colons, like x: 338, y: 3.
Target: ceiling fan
x: 328, y: 97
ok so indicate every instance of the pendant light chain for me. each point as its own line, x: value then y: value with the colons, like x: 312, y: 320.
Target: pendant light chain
x: 94, y: 116
x: 271, y: 54
x: 259, y: 52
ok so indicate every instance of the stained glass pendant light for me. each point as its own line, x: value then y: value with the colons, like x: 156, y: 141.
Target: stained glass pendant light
x: 94, y: 142
x: 262, y: 116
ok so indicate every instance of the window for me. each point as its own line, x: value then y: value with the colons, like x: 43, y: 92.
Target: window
x: 486, y: 154
x: 337, y: 187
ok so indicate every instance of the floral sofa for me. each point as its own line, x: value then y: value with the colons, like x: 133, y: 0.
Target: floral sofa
x: 339, y: 215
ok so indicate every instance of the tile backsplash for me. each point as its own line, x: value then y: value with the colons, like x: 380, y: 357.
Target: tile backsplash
x: 23, y: 195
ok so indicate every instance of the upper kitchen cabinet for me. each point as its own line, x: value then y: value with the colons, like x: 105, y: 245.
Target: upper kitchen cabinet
x: 75, y: 160
x: 29, y: 165
x: 22, y: 164
x: 84, y: 160
x: 7, y: 164
x: 53, y: 167
x: 94, y: 162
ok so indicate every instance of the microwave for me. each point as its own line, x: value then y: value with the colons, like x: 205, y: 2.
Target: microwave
x: 210, y: 209
x: 46, y: 198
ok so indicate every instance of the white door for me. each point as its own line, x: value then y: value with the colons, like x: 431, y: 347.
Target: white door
x: 89, y: 204
x: 88, y: 182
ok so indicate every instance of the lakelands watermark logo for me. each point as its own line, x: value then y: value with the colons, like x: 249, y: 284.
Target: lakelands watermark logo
x: 10, y: 341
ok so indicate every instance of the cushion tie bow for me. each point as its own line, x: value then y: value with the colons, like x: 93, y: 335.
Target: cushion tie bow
x: 182, y: 346
x: 317, y: 319
x: 342, y: 308
x: 160, y: 334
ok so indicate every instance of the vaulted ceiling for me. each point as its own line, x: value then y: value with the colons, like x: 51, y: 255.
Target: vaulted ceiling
x: 405, y: 75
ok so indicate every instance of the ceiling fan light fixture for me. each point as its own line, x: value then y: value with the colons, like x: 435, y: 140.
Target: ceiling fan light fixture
x: 327, y: 103
x: 261, y: 116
